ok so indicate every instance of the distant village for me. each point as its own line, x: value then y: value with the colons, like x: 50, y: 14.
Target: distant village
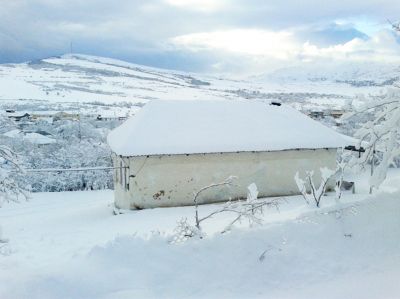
x: 58, y: 115
x: 24, y: 119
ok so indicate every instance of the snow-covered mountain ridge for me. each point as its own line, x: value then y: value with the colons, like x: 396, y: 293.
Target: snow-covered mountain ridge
x: 82, y: 78
x: 354, y: 74
x: 89, y: 78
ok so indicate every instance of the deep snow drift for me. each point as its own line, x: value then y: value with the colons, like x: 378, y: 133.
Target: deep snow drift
x: 70, y: 245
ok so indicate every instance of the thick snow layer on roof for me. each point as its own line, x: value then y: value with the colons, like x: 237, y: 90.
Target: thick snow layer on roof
x: 187, y: 127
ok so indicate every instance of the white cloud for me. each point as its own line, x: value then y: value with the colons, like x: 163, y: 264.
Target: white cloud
x: 272, y: 49
x: 381, y: 47
x: 201, y: 5
x: 278, y: 45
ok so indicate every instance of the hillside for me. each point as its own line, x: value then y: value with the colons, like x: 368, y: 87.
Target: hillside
x: 83, y: 78
x: 89, y: 78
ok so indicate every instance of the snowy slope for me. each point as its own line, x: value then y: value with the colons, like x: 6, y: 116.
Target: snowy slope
x: 89, y: 78
x: 83, y: 78
x: 70, y: 245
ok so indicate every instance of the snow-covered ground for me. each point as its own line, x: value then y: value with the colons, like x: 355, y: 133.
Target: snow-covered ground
x: 71, y: 245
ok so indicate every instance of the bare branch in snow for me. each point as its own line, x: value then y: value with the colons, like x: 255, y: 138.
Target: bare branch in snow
x: 227, y: 182
x: 250, y: 210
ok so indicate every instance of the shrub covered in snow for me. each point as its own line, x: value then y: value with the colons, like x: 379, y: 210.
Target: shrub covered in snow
x: 10, y: 190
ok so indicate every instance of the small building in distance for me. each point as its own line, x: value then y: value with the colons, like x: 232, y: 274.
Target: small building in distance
x: 337, y: 113
x: 65, y: 115
x: 171, y: 149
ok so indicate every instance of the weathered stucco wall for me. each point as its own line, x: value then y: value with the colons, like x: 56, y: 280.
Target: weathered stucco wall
x: 165, y: 181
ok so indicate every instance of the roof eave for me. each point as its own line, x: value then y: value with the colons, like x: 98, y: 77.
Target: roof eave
x: 230, y: 152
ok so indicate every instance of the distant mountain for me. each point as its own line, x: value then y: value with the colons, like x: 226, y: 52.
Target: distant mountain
x: 81, y: 78
x: 331, y: 34
x: 367, y: 74
x: 76, y: 77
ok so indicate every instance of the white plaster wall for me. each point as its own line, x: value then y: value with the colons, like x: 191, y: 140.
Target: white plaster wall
x: 165, y: 181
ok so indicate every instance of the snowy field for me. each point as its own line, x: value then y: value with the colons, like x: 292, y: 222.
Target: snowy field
x: 71, y: 245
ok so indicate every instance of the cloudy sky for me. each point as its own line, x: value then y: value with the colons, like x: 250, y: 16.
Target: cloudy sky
x: 214, y: 36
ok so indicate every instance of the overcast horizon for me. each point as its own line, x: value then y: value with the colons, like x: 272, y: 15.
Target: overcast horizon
x: 202, y: 36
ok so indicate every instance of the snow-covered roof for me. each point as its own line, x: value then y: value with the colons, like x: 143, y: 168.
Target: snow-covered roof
x: 187, y: 127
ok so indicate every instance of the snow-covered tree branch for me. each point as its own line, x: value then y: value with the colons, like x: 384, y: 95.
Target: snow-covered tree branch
x: 9, y: 162
x: 379, y: 135
x: 307, y: 187
x: 250, y: 210
x: 227, y: 182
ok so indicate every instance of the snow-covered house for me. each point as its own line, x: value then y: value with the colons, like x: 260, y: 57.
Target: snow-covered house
x: 171, y: 149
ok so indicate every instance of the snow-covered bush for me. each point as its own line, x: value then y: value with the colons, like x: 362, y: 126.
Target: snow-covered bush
x: 315, y: 193
x: 10, y: 190
x: 185, y: 231
x: 10, y: 162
